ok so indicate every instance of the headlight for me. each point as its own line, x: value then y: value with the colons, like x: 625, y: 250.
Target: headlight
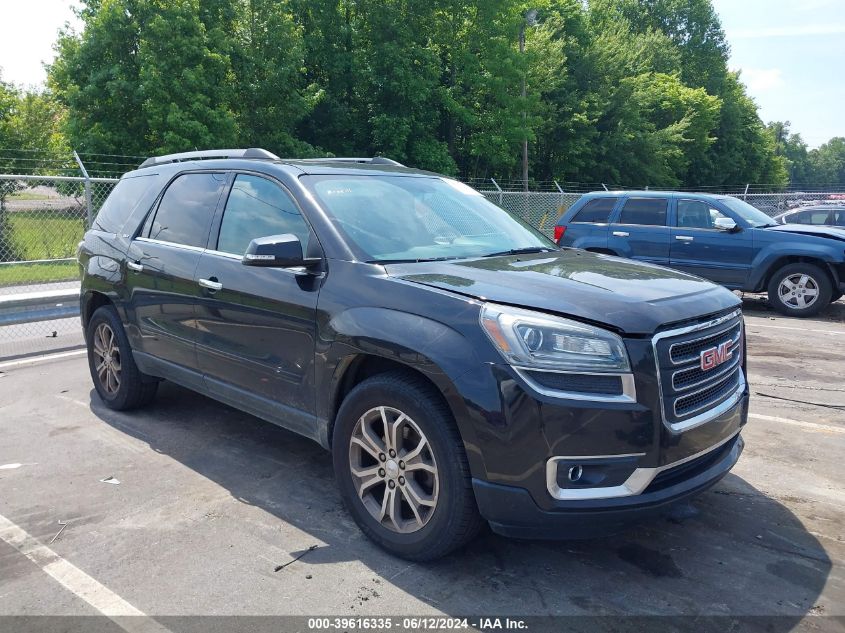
x: 537, y: 340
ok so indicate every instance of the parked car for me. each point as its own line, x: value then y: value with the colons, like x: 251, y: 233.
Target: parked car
x: 816, y: 215
x: 456, y: 363
x: 721, y: 238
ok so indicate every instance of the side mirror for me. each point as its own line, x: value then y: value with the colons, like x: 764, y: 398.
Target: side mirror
x: 726, y: 224
x: 276, y: 251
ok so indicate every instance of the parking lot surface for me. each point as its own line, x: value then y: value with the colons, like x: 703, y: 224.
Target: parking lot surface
x: 211, y: 502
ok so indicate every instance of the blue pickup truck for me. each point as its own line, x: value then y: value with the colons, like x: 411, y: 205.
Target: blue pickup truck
x: 720, y: 238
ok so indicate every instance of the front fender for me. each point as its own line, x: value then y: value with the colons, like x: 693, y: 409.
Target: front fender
x: 767, y: 259
x: 439, y: 352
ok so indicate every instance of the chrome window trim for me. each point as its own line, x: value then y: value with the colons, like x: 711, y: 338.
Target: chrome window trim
x: 628, y: 395
x: 723, y: 407
x: 634, y: 485
x: 187, y: 247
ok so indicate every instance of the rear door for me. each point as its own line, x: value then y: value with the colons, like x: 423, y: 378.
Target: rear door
x: 161, y: 264
x: 699, y: 247
x: 588, y: 227
x: 640, y: 231
x: 256, y: 325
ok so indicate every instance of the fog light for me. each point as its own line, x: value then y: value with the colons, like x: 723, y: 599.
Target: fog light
x: 575, y: 473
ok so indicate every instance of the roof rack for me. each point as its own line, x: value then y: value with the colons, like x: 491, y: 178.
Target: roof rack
x: 375, y: 160
x: 252, y: 152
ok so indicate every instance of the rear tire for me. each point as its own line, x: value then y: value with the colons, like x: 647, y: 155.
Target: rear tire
x: 800, y: 290
x: 117, y: 379
x: 410, y: 493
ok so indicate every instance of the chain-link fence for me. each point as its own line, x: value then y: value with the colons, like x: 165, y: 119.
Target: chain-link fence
x: 546, y: 202
x: 42, y: 219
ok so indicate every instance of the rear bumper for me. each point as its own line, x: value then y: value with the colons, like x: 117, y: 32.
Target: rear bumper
x: 512, y: 512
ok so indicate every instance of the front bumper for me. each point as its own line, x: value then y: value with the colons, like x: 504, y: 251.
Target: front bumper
x: 512, y: 512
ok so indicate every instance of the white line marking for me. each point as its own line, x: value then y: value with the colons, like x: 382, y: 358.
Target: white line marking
x: 39, y: 359
x: 797, y: 329
x: 807, y: 425
x: 77, y: 581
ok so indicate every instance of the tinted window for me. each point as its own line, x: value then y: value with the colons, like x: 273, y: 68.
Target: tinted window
x: 648, y: 211
x: 839, y: 218
x: 123, y: 199
x: 597, y: 210
x: 258, y: 207
x: 695, y: 214
x: 817, y: 217
x: 185, y: 211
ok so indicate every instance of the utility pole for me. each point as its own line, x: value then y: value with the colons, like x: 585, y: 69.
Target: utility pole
x: 530, y: 19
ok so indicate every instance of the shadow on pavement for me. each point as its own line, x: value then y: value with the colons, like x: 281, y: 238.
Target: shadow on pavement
x: 734, y: 552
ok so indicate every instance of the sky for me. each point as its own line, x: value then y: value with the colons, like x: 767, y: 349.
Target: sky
x: 791, y: 54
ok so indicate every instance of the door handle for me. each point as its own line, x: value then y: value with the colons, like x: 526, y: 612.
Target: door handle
x: 684, y: 238
x: 621, y: 233
x: 211, y: 284
x: 134, y: 266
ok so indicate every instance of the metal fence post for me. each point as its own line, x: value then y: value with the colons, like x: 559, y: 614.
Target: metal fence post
x: 745, y: 194
x: 493, y: 180
x: 88, y: 203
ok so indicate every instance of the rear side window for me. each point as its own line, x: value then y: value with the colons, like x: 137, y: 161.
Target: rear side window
x: 596, y: 210
x: 646, y: 211
x: 816, y: 217
x: 125, y: 196
x: 258, y: 207
x: 186, y: 209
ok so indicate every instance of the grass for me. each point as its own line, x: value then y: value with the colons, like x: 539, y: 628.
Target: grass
x: 42, y: 235
x: 28, y: 195
x: 25, y: 274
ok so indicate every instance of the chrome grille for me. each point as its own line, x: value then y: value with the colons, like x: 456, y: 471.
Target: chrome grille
x: 689, y: 393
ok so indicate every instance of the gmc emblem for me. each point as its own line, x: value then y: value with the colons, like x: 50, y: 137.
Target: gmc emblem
x: 715, y: 356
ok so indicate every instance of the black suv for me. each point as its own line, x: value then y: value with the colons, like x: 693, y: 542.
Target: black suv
x: 458, y: 364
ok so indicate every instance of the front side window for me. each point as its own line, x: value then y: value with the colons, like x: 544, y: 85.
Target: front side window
x: 696, y: 214
x: 412, y: 218
x: 645, y: 211
x: 258, y: 207
x: 596, y: 211
x: 185, y: 212
x: 751, y: 215
x: 839, y: 218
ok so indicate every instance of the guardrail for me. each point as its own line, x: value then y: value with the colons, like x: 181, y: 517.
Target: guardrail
x: 46, y: 305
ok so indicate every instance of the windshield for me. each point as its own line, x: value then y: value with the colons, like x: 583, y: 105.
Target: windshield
x: 754, y: 217
x: 407, y: 218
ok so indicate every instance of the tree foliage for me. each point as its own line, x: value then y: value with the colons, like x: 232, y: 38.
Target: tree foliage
x: 631, y: 92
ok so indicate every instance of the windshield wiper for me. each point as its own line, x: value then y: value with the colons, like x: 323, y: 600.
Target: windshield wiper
x: 522, y: 251
x: 411, y: 260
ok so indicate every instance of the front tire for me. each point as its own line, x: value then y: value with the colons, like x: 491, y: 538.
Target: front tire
x: 118, y: 381
x: 800, y: 290
x: 401, y: 468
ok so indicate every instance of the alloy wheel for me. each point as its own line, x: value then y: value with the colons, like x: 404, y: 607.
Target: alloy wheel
x: 393, y: 469
x: 798, y: 291
x: 107, y: 358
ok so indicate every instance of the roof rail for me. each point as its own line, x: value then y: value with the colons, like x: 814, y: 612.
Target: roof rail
x: 252, y: 152
x: 375, y: 160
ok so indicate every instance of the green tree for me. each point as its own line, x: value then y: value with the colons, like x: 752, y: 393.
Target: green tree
x: 828, y: 163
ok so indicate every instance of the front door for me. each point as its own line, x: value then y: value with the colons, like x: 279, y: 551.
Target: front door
x: 700, y: 248
x: 161, y: 264
x: 256, y: 325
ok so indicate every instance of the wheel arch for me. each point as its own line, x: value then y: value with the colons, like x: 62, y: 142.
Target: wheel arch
x: 786, y: 260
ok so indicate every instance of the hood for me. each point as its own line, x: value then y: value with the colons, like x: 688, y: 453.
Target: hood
x: 629, y: 296
x: 831, y: 232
